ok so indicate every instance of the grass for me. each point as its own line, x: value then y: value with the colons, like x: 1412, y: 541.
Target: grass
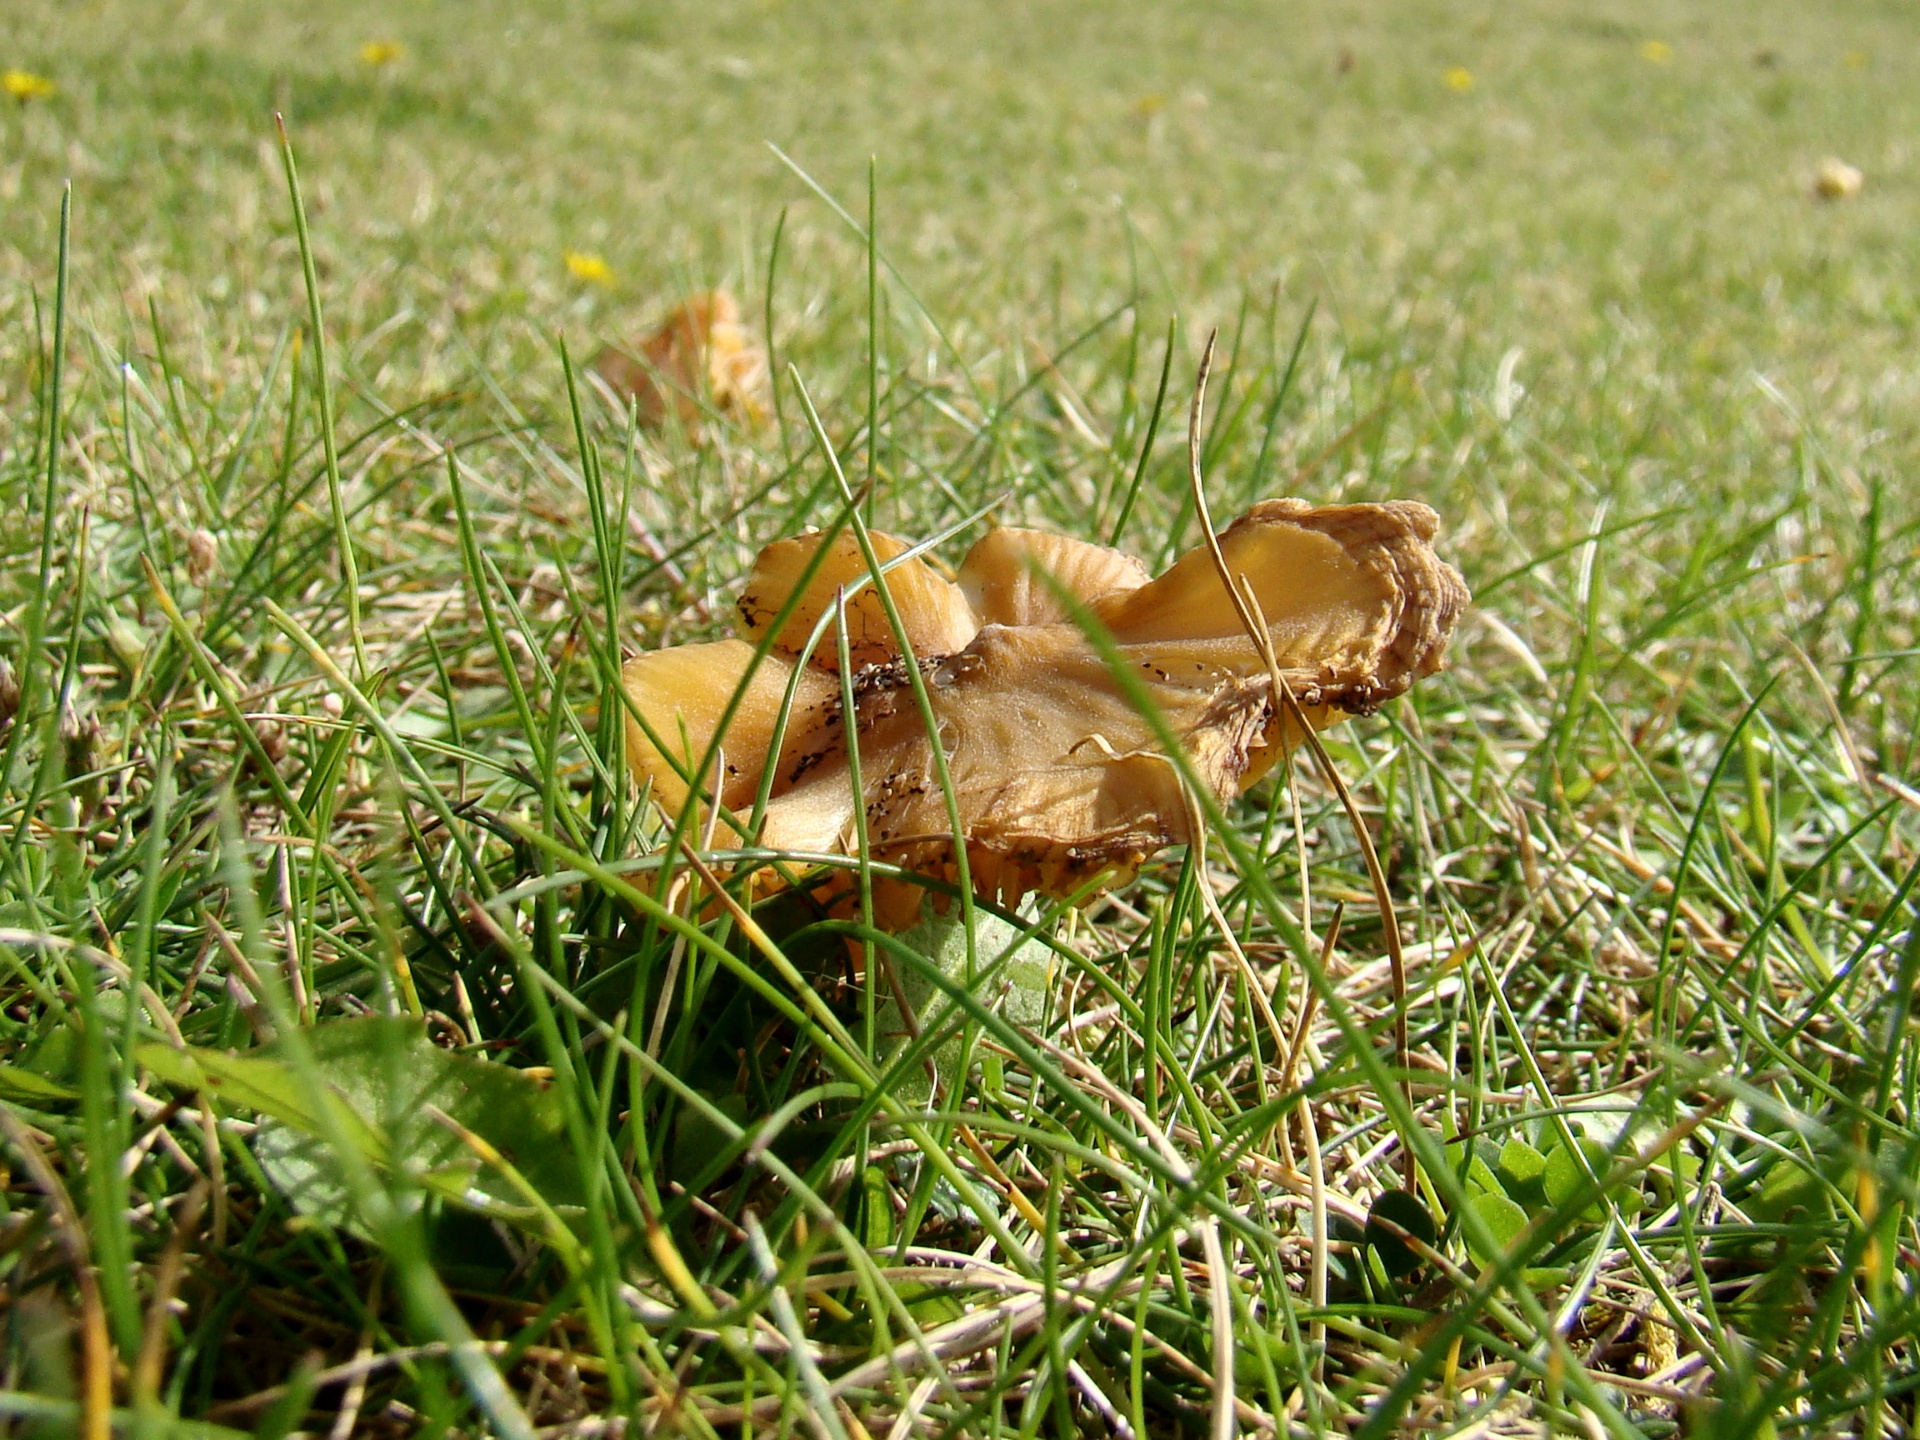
x: 1653, y: 839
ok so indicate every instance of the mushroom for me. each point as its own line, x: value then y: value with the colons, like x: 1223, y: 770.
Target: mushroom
x: 1059, y: 777
x: 700, y: 357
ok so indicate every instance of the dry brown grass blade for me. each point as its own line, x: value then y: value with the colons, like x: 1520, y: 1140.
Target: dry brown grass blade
x: 358, y: 1368
x: 96, y: 1390
x: 1247, y: 606
x: 1220, y: 1303
x: 999, y: 1180
x: 148, y: 1366
x: 355, y: 1395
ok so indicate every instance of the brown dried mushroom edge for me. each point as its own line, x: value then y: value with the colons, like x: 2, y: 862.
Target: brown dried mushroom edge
x: 1059, y: 778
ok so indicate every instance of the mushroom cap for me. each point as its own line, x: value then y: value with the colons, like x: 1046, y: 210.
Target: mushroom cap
x: 1058, y: 772
x: 684, y: 693
x: 935, y: 612
x: 1002, y: 576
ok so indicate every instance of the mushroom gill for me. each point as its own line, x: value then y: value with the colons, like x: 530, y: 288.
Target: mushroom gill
x: 1059, y: 777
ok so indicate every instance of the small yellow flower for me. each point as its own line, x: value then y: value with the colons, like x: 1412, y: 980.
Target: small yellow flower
x: 1656, y: 52
x: 24, y: 85
x: 1856, y: 59
x: 1459, y: 78
x: 381, y: 52
x: 590, y: 268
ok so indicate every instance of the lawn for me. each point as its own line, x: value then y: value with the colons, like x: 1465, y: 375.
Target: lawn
x: 374, y: 1059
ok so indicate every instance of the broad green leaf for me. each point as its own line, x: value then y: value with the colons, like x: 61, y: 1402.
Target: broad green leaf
x: 1661, y: 1175
x: 1503, y: 1219
x: 1481, y: 1177
x: 56, y: 1055
x: 308, y: 1174
x: 382, y: 1079
x: 1787, y: 1189
x: 1403, y: 1209
x: 1521, y: 1168
x: 878, y: 1209
x: 1564, y: 1177
x: 21, y: 1086
x: 255, y: 1080
x: 699, y: 1139
x: 1018, y: 986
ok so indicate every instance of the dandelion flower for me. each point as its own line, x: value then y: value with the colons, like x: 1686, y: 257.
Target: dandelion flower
x: 381, y: 52
x: 1837, y: 180
x: 1459, y: 78
x: 1856, y: 59
x: 1656, y: 52
x: 591, y: 268
x: 24, y: 85
x: 1059, y: 779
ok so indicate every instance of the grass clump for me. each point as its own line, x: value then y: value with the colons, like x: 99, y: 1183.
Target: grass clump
x: 372, y: 1060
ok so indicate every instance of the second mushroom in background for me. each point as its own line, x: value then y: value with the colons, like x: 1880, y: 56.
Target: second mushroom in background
x: 700, y: 359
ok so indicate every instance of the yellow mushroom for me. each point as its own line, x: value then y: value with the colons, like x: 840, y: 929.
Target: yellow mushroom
x: 1058, y: 776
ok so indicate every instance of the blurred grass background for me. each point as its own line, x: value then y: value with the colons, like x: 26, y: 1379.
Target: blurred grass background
x: 1630, y: 180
